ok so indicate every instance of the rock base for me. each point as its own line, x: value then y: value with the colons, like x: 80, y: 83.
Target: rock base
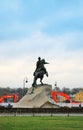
x: 39, y: 97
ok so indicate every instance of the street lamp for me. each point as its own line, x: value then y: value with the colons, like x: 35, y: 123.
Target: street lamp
x: 56, y: 84
x: 25, y: 80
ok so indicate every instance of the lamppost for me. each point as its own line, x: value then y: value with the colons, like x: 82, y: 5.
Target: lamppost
x: 55, y: 83
x: 25, y: 80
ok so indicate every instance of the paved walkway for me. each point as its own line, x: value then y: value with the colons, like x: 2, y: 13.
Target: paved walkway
x: 39, y: 114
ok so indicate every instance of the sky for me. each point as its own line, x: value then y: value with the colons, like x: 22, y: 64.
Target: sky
x: 51, y: 29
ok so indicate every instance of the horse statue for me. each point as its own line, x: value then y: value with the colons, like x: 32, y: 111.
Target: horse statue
x: 39, y: 72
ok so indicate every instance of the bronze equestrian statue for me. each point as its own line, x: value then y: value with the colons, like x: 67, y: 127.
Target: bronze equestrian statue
x: 40, y: 71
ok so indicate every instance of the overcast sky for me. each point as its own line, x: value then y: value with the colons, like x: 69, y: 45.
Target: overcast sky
x: 51, y: 29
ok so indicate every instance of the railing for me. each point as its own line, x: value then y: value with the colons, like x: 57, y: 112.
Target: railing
x: 34, y: 111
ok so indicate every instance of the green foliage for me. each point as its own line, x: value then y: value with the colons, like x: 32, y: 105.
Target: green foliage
x: 41, y: 123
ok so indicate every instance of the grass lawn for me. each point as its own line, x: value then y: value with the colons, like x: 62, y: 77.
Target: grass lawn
x: 41, y: 123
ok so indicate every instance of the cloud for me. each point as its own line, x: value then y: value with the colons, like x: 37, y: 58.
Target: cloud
x: 53, y: 33
x: 22, y: 20
x: 18, y: 59
x: 43, y: 43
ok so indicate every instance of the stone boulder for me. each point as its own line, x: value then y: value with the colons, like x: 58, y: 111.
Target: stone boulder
x: 38, y: 97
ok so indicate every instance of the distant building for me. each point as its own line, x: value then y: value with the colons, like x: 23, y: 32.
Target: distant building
x: 79, y: 96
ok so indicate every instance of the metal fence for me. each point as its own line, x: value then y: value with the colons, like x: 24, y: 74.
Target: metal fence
x: 34, y: 111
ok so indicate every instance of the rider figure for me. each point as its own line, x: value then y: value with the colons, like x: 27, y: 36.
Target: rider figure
x: 40, y: 66
x: 39, y: 71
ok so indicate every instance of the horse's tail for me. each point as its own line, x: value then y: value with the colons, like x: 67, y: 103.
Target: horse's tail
x: 47, y: 74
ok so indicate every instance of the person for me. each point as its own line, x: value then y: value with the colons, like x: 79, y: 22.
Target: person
x: 38, y: 65
x: 39, y: 71
x: 80, y: 105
